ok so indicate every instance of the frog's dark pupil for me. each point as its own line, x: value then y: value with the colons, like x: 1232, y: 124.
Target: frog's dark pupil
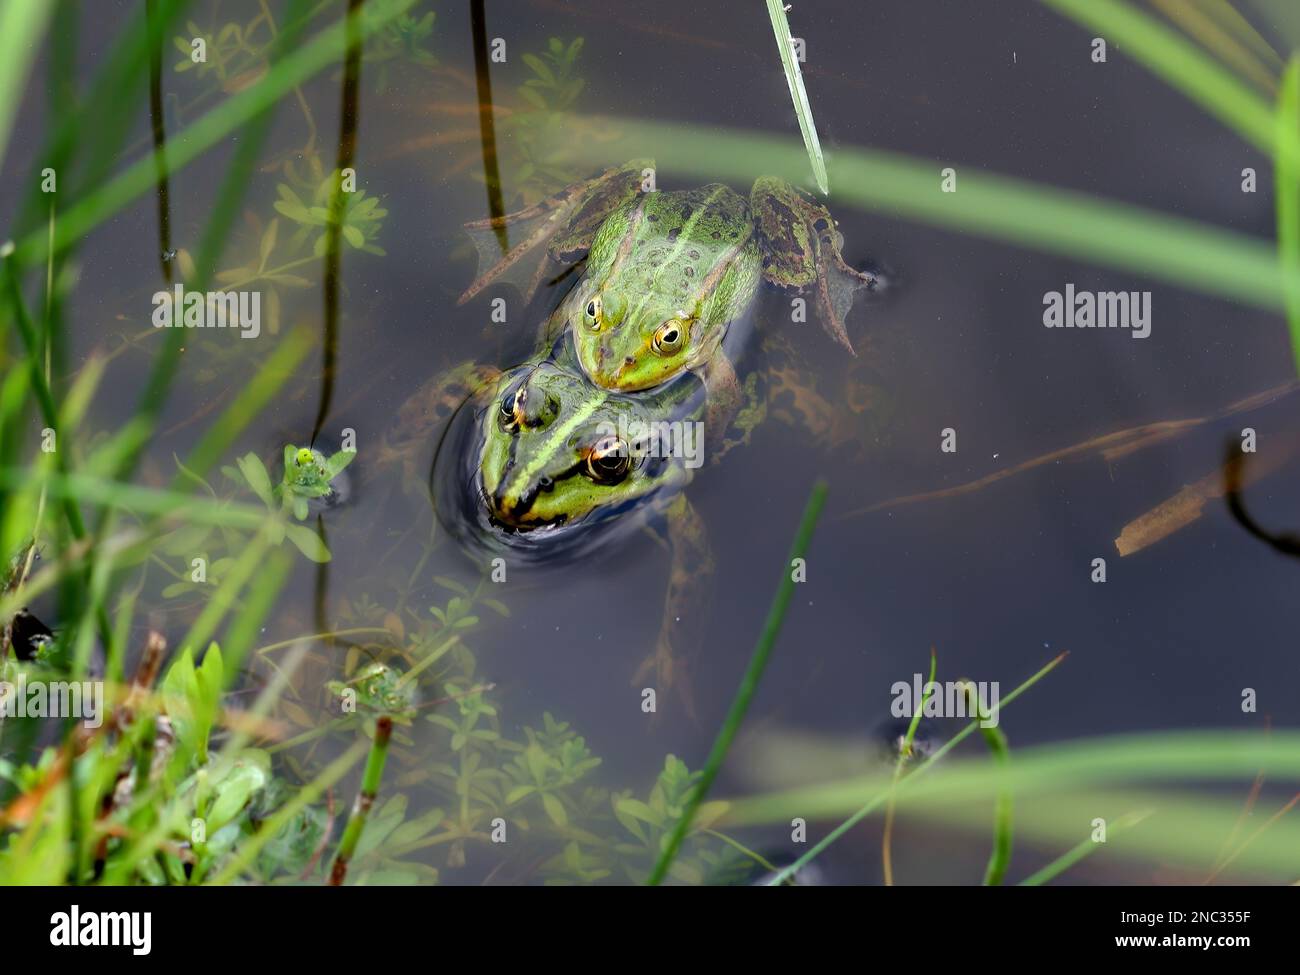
x: 591, y: 309
x: 512, y: 398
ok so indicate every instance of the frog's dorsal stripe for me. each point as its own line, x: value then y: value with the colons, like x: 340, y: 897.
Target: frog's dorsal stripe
x: 557, y: 436
x: 679, y: 246
x: 625, y: 245
x: 714, y: 277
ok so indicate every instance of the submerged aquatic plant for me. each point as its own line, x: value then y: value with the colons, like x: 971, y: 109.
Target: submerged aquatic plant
x: 362, y: 217
x: 401, y: 41
x: 538, y: 158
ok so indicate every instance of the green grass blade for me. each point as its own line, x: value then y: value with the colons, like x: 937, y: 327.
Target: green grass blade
x: 1080, y: 852
x: 1288, y: 198
x: 1219, y: 30
x: 872, y: 804
x: 1144, y: 759
x: 748, y: 685
x: 904, y: 753
x: 320, y: 52
x: 102, y: 122
x: 1229, y: 19
x: 1195, y: 255
x: 22, y: 25
x: 242, y: 632
x: 1000, y: 858
x: 794, y: 78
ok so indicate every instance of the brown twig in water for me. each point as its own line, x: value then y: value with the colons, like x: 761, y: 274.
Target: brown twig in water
x: 1111, y: 447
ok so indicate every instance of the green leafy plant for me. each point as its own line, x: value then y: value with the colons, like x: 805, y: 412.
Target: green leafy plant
x: 553, y: 760
x: 539, y: 159
x: 555, y: 86
x: 401, y: 41
x: 229, y: 53
x: 362, y: 218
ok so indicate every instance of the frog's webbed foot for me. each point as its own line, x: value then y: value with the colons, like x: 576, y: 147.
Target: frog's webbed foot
x: 681, y: 629
x: 561, y: 228
x: 802, y: 252
x: 665, y: 670
x: 837, y: 286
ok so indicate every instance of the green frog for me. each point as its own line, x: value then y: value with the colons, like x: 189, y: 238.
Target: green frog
x: 541, y: 464
x: 668, y: 273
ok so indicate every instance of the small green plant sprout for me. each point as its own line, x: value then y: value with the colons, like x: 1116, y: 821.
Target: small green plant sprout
x: 379, y: 689
x: 308, y: 475
x: 299, y: 485
x: 191, y: 699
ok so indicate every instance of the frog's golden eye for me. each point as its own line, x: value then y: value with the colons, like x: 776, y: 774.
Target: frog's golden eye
x: 592, y: 312
x: 669, y: 337
x: 609, y: 460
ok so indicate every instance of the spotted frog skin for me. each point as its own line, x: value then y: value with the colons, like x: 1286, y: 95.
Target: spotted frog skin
x: 667, y: 273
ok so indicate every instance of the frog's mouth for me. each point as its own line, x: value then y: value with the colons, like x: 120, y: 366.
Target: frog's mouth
x: 515, y: 518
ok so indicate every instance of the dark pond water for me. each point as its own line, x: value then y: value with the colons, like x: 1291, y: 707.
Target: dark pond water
x: 997, y: 579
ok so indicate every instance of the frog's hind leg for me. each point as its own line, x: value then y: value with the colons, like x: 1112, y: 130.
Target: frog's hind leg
x: 734, y: 410
x: 802, y: 252
x: 561, y: 227
x: 690, y: 587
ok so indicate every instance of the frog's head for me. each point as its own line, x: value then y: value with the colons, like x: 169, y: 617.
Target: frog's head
x: 557, y: 450
x: 632, y: 342
x: 663, y: 281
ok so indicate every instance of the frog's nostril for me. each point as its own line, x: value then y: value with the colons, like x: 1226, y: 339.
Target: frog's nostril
x: 545, y: 483
x: 629, y: 361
